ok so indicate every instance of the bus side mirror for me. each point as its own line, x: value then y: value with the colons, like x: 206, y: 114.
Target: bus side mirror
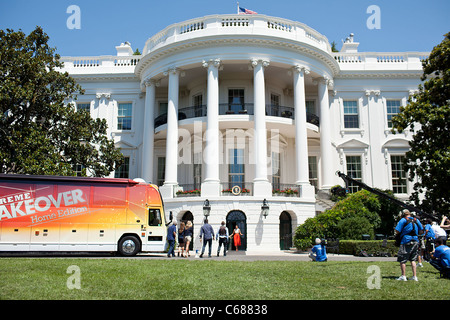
x: 170, y: 216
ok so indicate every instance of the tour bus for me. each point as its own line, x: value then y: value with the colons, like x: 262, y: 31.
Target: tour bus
x: 78, y: 214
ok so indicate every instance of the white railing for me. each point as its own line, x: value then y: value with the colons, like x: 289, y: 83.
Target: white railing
x: 380, y: 60
x: 120, y: 64
x: 259, y: 25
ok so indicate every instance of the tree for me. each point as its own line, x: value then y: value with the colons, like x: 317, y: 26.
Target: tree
x: 360, y: 208
x: 40, y: 132
x: 429, y: 112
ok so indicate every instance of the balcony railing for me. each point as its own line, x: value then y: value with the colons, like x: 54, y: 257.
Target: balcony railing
x: 217, y: 25
x: 236, y: 109
x: 245, y: 189
x: 285, y: 190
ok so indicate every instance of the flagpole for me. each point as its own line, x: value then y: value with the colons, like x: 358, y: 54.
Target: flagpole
x: 238, y: 8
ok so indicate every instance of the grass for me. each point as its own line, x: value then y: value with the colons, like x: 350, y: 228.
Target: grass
x: 46, y: 278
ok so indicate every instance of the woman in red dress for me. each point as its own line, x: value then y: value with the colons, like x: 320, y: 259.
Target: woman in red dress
x: 236, y: 235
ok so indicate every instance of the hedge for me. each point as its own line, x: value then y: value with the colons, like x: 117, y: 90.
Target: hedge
x: 371, y: 247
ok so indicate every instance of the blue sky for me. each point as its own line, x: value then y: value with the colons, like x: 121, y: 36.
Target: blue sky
x: 405, y: 25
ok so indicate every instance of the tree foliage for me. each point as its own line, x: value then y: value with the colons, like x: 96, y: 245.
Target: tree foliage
x: 428, y: 111
x: 40, y: 131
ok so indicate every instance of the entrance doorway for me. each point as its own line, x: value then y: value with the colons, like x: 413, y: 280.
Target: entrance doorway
x: 238, y: 218
x: 285, y: 231
x: 188, y: 216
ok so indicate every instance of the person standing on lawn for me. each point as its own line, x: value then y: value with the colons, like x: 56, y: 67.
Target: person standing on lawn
x: 222, y: 236
x: 236, y: 235
x: 188, y: 237
x: 409, y: 229
x: 171, y: 237
x: 207, y: 233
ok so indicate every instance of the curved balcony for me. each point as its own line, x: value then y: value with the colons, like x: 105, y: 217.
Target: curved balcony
x: 215, y: 25
x: 231, y: 109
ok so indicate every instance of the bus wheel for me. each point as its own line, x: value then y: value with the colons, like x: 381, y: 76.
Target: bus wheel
x: 129, y: 246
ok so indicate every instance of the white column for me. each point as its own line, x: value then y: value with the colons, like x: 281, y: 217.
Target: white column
x: 301, y: 135
x: 149, y: 131
x: 261, y: 184
x: 171, y: 177
x: 211, y: 185
x: 327, y: 167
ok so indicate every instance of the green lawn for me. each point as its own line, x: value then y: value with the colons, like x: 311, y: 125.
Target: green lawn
x: 46, y: 278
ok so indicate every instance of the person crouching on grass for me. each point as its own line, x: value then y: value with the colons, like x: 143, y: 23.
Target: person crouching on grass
x: 319, y: 252
x: 409, y: 229
x: 441, y: 258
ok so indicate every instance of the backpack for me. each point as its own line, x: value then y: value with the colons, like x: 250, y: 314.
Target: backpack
x: 222, y: 231
x: 399, y: 236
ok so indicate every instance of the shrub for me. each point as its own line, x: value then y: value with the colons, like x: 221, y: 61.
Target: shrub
x: 371, y: 247
x: 354, y: 228
x: 361, y: 204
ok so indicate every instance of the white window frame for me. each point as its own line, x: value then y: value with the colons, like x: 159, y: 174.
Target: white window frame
x: 389, y: 97
x: 361, y: 156
x: 360, y: 103
x: 116, y: 115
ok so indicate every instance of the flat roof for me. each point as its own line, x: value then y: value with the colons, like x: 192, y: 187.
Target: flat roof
x: 92, y: 180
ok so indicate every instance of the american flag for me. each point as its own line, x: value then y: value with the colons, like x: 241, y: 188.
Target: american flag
x: 246, y: 11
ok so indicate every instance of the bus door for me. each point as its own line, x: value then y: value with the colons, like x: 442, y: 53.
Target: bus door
x: 156, y: 230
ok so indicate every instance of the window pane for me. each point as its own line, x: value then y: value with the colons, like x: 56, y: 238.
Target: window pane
x: 161, y: 170
x: 236, y: 173
x: 392, y: 109
x: 312, y: 168
x: 351, y: 114
x: 354, y: 171
x: 124, y: 116
x: 84, y: 107
x: 398, y: 174
x: 276, y: 170
x: 154, y: 217
x: 123, y: 171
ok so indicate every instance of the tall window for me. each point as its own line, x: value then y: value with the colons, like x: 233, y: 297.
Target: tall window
x: 392, y: 109
x: 310, y: 106
x: 162, y: 108
x: 312, y: 168
x: 398, y: 174
x: 197, y: 170
x: 161, y: 170
x: 124, y: 169
x: 274, y: 105
x: 236, y: 173
x: 198, y: 105
x: 236, y: 100
x: 276, y: 170
x: 354, y: 171
x: 124, y: 116
x: 351, y: 115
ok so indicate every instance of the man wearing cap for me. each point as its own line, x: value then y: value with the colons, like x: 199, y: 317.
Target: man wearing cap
x: 409, y: 228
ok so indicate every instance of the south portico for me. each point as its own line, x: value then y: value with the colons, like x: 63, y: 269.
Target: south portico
x: 211, y: 184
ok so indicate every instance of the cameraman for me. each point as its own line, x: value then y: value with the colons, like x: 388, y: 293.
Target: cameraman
x: 319, y: 252
x: 441, y: 258
x: 409, y: 229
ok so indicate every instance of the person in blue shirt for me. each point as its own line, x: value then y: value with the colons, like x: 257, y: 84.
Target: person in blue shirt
x: 441, y: 258
x: 427, y: 243
x: 409, y: 229
x: 171, y: 236
x: 207, y: 233
x: 319, y: 252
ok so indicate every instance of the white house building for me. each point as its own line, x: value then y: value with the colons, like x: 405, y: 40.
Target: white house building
x: 242, y: 110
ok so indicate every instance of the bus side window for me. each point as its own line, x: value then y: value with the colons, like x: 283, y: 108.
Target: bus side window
x: 154, y: 217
